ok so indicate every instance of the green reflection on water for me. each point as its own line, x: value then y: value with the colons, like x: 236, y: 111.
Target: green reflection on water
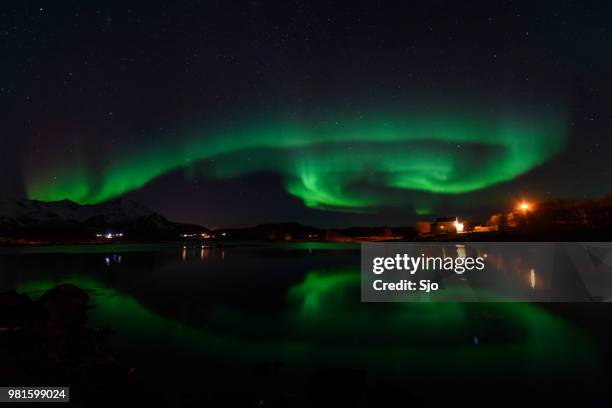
x: 316, y: 289
x: 324, y: 324
x: 35, y: 287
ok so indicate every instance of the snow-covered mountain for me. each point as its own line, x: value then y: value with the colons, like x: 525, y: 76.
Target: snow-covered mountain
x: 22, y: 217
x: 33, y: 211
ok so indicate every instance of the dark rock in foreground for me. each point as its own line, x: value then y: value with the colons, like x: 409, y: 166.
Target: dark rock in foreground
x: 45, y: 340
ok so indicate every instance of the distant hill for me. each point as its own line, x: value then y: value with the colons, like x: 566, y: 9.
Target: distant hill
x: 293, y: 231
x: 59, y: 220
x: 270, y: 232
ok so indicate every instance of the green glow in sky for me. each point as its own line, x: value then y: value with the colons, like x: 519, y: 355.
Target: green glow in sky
x: 352, y: 163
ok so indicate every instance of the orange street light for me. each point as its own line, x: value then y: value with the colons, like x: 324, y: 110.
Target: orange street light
x: 524, y: 206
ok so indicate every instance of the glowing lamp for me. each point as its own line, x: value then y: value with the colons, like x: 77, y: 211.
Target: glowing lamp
x: 459, y: 226
x: 524, y: 206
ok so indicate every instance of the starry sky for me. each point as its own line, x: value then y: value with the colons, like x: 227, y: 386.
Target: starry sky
x: 327, y: 113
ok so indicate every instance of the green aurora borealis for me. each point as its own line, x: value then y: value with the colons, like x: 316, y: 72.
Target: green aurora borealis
x: 357, y: 163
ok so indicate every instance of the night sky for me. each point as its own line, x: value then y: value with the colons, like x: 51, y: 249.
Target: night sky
x: 326, y: 113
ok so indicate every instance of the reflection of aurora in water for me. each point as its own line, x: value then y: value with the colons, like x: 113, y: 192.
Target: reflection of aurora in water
x: 349, y: 164
x: 321, y: 325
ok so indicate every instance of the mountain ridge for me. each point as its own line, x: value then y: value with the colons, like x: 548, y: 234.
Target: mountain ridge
x: 66, y: 219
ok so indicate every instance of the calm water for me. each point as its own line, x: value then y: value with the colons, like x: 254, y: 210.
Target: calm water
x: 295, y: 309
